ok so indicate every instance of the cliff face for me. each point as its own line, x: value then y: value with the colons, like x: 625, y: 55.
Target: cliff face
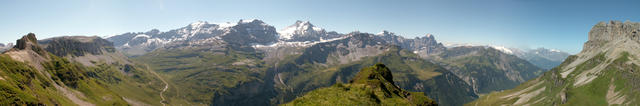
x: 77, y: 46
x: 612, y: 31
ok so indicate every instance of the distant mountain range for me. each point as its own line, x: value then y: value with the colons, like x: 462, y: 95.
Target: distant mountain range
x: 541, y: 57
x: 287, y: 63
x: 251, y: 63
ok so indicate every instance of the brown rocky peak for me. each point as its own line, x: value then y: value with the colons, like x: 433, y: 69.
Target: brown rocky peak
x: 29, y: 42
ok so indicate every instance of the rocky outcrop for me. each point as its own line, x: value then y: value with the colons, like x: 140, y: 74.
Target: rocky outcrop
x: 27, y: 50
x: 612, y: 31
x: 29, y: 42
x: 352, y: 48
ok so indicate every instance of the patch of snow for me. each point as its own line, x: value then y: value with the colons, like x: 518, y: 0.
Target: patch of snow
x: 107, y: 36
x: 198, y: 24
x: 287, y: 33
x: 226, y: 25
x: 142, y: 36
x: 503, y: 49
x: 247, y: 21
x: 452, y: 44
x: 297, y: 44
x: 299, y: 28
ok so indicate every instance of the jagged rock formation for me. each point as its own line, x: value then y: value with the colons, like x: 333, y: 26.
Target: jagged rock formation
x: 303, y: 31
x: 423, y: 46
x: 602, y: 74
x: 27, y: 50
x: 371, y: 86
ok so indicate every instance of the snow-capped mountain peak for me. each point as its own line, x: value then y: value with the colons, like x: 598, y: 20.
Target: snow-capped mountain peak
x: 198, y: 24
x: 384, y: 33
x: 297, y: 29
x: 244, y: 21
x: 503, y: 49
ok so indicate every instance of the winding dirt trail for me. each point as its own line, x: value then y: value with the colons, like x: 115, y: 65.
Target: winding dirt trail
x: 166, y: 86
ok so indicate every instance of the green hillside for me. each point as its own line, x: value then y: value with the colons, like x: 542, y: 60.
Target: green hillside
x: 371, y: 86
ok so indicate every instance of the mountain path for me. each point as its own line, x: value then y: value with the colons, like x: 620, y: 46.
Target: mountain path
x: 166, y: 86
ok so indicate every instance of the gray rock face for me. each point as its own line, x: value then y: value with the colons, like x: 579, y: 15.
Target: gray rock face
x: 77, y: 45
x: 612, y: 31
x: 248, y: 33
x: 352, y: 48
x: 422, y: 46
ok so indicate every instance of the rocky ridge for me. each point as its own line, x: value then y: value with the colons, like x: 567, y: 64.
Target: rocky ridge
x: 603, y: 73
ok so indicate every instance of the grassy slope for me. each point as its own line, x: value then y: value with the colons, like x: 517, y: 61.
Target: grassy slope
x: 21, y: 84
x: 197, y: 76
x: 618, y: 73
x: 74, y: 76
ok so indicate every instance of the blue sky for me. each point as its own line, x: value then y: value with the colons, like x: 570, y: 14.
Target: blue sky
x: 558, y: 24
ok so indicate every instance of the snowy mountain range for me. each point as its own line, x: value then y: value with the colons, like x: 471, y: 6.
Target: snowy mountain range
x: 244, y: 32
